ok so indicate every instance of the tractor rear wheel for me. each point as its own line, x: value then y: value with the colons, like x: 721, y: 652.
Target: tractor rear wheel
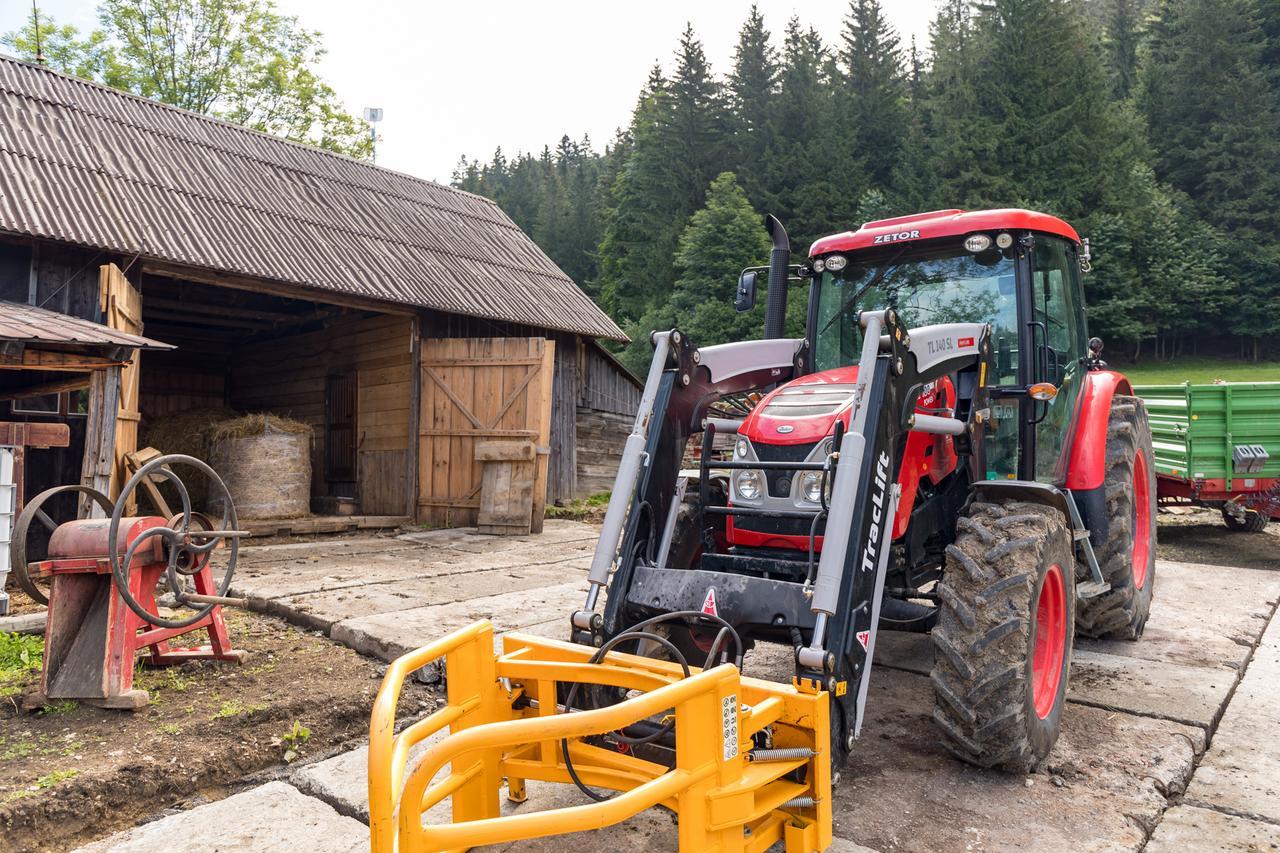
x: 1253, y: 521
x: 1127, y: 556
x: 1002, y: 646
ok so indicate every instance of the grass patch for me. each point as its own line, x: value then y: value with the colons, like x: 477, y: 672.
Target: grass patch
x: 583, y: 509
x: 1198, y: 371
x: 58, y: 706
x: 20, y: 655
x: 234, y: 708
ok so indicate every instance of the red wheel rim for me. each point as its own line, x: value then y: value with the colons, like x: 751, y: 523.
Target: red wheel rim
x: 1141, y: 521
x: 1050, y: 642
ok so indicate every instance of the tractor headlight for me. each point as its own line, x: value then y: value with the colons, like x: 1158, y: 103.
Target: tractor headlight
x: 741, y: 448
x: 811, y: 486
x: 750, y: 484
x: 835, y: 263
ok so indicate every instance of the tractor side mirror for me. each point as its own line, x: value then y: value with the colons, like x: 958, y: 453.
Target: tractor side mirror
x: 745, y: 297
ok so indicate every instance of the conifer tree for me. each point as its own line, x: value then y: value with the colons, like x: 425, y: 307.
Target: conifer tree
x: 753, y: 87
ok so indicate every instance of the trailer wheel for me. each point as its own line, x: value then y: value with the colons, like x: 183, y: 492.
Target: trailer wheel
x: 1002, y: 647
x: 1127, y: 557
x: 1254, y: 521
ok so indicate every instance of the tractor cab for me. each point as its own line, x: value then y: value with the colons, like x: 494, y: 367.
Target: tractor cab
x: 1017, y: 272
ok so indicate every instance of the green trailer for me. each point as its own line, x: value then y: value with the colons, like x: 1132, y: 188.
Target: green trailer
x: 1218, y: 445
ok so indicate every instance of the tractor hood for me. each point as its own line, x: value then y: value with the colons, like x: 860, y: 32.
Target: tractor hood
x: 803, y: 411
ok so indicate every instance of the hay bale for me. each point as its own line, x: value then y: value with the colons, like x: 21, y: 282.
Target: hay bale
x: 188, y: 433
x: 265, y: 460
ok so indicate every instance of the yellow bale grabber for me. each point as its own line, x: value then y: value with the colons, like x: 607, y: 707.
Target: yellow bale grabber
x: 743, y: 763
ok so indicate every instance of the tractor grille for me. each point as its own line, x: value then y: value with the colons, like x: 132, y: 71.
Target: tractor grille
x: 807, y: 400
x: 780, y: 481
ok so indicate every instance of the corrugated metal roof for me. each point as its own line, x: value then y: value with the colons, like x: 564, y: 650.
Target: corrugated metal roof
x: 30, y: 324
x: 86, y: 164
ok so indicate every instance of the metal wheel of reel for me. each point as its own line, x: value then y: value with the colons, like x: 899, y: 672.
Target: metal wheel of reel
x: 189, y: 547
x: 33, y: 511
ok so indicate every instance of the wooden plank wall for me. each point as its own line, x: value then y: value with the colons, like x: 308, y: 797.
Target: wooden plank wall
x: 168, y: 388
x: 600, y: 439
x: 606, y: 386
x: 287, y: 377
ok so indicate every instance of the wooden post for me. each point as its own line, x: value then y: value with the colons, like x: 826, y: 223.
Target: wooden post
x: 100, y: 438
x: 543, y: 414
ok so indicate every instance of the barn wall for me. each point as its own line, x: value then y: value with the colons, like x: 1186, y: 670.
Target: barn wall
x: 169, y: 387
x: 66, y: 277
x: 287, y: 377
x: 607, y: 403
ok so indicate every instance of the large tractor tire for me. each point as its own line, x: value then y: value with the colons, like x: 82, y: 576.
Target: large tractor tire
x: 1253, y: 521
x: 1002, y: 647
x: 1127, y: 557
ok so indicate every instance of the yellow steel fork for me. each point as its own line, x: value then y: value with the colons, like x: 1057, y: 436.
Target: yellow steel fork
x: 505, y: 722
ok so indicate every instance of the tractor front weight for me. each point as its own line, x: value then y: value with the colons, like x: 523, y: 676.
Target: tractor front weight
x: 744, y: 763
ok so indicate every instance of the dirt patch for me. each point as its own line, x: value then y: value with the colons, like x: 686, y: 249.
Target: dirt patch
x: 70, y: 773
x: 1197, y: 535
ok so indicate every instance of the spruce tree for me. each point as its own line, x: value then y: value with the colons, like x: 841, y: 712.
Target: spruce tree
x: 753, y: 86
x: 1212, y: 112
x: 873, y: 93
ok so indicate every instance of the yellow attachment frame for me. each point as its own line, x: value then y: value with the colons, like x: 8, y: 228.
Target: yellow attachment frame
x: 505, y: 723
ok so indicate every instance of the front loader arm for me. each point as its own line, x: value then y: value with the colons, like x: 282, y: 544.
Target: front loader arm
x: 682, y: 383
x: 849, y: 587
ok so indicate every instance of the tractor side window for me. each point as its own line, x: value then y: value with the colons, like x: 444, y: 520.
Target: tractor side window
x: 1060, y: 337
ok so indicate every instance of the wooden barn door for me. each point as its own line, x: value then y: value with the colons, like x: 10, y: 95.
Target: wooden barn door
x: 479, y: 390
x: 122, y: 309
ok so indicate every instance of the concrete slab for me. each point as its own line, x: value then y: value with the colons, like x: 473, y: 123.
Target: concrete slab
x: 314, y: 571
x: 1241, y: 771
x: 901, y: 790
x: 320, y: 610
x: 1186, y: 828
x: 1201, y: 616
x: 1186, y: 694
x: 274, y: 816
x: 386, y: 636
x: 341, y: 783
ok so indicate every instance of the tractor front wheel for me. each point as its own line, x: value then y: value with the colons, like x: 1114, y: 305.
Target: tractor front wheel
x: 1002, y: 646
x: 1127, y: 554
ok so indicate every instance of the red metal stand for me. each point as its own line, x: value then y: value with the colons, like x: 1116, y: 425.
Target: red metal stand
x: 92, y: 637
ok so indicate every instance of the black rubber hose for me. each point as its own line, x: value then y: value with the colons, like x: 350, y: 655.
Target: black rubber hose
x: 573, y: 693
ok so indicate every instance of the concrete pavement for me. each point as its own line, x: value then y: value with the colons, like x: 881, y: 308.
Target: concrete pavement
x: 1140, y: 717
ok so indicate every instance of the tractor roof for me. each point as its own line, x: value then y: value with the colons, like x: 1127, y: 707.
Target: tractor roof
x: 942, y: 223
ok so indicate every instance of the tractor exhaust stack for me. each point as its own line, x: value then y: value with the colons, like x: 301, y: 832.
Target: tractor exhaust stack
x: 775, y: 310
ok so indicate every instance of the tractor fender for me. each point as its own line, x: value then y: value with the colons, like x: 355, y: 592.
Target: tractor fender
x: 1087, y: 460
x: 1024, y: 490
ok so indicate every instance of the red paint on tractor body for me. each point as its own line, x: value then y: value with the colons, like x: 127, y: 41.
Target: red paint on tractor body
x: 942, y: 223
x: 1087, y: 464
x: 926, y: 455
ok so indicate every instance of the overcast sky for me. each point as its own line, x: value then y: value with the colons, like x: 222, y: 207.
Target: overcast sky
x: 465, y: 76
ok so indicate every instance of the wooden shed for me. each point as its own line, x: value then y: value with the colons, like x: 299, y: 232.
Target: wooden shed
x: 404, y: 320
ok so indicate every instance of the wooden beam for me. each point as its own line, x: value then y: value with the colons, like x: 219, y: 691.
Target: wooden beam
x: 273, y: 288
x: 204, y: 317
x: 44, y: 360
x: 74, y: 382
x: 17, y: 434
x: 227, y: 310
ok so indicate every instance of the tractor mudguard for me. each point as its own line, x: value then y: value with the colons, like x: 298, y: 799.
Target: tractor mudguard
x: 1087, y: 460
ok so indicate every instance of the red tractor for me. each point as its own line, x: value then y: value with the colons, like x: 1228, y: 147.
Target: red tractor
x: 944, y: 451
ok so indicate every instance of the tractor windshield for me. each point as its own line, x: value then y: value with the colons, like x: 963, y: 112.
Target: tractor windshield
x: 952, y: 286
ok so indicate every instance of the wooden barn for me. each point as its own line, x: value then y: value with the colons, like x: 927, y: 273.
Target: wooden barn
x: 405, y: 321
